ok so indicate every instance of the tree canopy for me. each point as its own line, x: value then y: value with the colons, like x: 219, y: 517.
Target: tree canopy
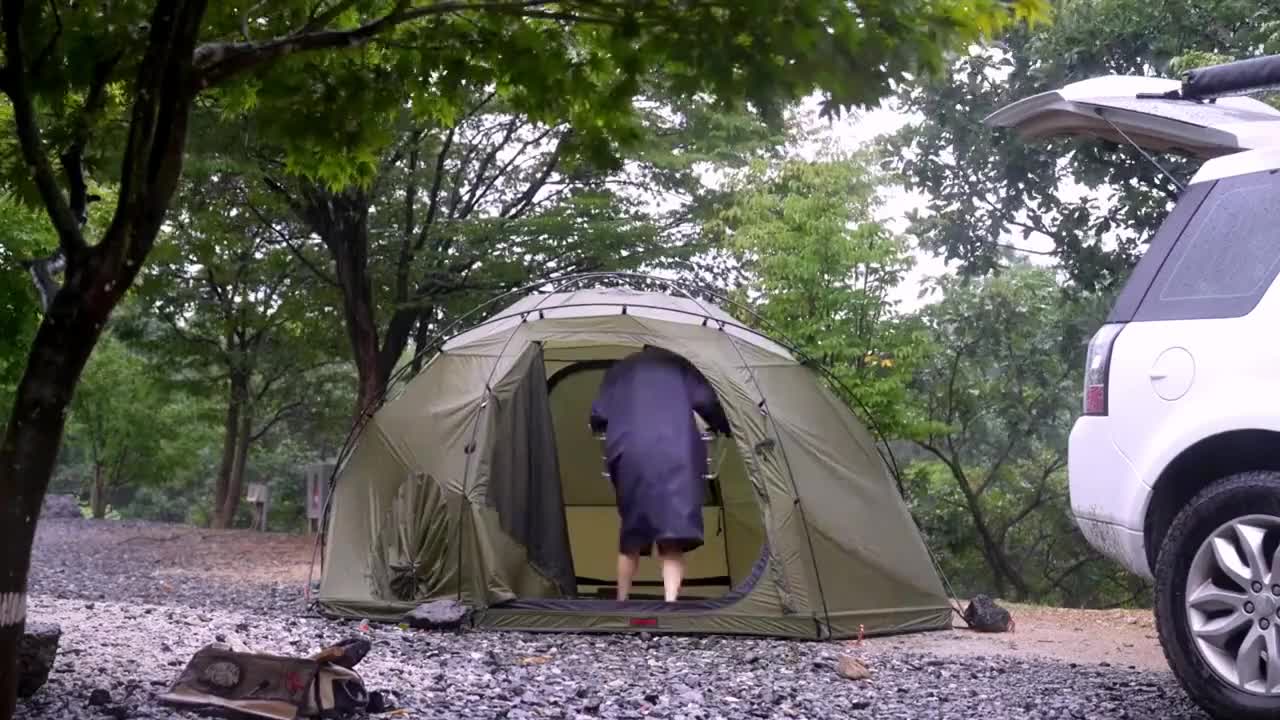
x: 1089, y: 206
x: 104, y: 98
x: 818, y: 267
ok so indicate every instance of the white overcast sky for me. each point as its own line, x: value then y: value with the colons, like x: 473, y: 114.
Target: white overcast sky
x: 857, y: 129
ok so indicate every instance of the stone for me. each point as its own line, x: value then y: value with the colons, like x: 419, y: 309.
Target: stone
x: 65, y: 507
x: 851, y: 668
x: 984, y: 615
x: 99, y: 697
x: 438, y: 615
x: 36, y: 653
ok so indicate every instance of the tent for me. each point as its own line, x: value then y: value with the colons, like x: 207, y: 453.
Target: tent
x: 480, y: 480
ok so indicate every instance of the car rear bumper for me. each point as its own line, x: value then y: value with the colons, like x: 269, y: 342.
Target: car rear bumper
x: 1125, y: 546
x: 1108, y: 498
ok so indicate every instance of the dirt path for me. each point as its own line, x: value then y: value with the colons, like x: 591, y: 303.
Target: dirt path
x: 1121, y: 638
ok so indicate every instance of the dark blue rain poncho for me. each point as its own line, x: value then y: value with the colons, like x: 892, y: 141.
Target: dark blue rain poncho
x: 655, y: 454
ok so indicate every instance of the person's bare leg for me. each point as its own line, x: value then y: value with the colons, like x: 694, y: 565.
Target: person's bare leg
x: 627, y: 564
x: 672, y: 572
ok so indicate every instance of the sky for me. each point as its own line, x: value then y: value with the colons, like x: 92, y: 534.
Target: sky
x: 858, y: 129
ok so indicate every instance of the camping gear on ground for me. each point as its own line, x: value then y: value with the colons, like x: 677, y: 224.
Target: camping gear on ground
x: 480, y: 480
x: 274, y: 686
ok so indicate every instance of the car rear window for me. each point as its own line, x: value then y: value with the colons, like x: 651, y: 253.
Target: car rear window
x: 1144, y: 273
x: 1225, y: 257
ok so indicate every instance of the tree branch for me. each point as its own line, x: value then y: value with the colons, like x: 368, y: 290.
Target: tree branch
x: 999, y: 464
x: 187, y: 337
x: 73, y: 158
x: 479, y: 185
x: 70, y: 239
x: 270, y: 382
x: 217, y: 62
x: 38, y: 66
x: 281, y: 414
x: 433, y: 202
x: 506, y: 167
x: 518, y: 206
x: 1056, y: 581
x: 294, y: 250
x: 406, y: 233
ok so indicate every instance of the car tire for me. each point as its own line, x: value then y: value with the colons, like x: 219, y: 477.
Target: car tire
x: 1223, y: 502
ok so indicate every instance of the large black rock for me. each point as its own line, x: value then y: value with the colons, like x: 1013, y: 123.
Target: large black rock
x: 984, y: 615
x: 438, y: 615
x: 36, y: 653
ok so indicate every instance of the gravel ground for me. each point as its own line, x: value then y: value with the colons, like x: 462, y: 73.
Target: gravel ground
x: 134, y: 640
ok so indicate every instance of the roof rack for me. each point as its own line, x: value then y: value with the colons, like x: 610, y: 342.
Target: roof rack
x: 1243, y: 77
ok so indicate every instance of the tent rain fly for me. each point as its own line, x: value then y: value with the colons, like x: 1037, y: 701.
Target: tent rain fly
x: 481, y: 481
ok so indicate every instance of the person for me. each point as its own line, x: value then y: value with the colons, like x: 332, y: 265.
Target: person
x: 656, y: 458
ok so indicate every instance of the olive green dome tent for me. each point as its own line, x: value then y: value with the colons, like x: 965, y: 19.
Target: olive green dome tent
x: 479, y: 480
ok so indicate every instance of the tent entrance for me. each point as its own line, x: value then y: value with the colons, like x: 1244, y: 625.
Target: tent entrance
x: 732, y: 523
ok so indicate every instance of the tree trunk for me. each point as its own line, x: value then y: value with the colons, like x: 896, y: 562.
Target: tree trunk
x: 98, y: 495
x: 234, y: 453
x: 998, y: 562
x: 236, y: 488
x: 421, y: 336
x: 341, y: 220
x: 33, y: 437
x: 1001, y: 567
x: 230, y: 431
x: 96, y: 277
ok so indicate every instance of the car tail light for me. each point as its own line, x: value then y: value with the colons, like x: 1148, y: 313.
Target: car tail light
x: 1097, y: 369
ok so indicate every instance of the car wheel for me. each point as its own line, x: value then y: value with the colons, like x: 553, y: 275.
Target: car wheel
x: 1218, y: 597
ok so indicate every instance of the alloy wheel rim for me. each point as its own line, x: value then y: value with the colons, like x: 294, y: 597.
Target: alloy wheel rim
x: 1233, y: 603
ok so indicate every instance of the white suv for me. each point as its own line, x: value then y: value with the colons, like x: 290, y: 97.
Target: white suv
x: 1175, y: 463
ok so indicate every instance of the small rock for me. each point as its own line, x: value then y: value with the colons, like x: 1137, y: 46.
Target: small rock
x: 99, y: 697
x: 438, y: 615
x: 851, y: 668
x: 984, y: 615
x: 693, y: 697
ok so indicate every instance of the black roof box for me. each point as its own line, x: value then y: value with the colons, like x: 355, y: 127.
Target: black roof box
x: 1242, y: 77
